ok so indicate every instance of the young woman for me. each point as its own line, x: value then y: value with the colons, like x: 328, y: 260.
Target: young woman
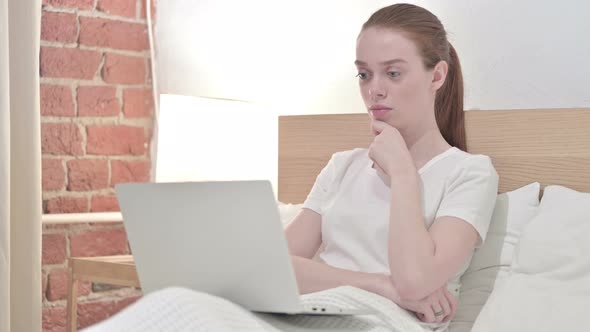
x: 403, y: 217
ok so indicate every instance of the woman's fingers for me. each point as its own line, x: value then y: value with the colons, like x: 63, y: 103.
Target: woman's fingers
x: 438, y: 313
x: 438, y: 309
x: 453, y: 305
x: 428, y: 314
x: 446, y: 308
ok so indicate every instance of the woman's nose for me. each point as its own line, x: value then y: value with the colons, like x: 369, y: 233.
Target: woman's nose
x: 377, y: 92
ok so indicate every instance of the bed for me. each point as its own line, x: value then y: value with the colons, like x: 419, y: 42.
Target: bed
x: 547, y: 146
x: 533, y: 264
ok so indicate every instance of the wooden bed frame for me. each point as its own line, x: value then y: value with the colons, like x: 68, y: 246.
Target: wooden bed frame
x: 551, y: 146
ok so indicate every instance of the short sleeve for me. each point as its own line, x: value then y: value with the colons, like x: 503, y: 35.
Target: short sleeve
x: 470, y: 193
x: 322, y: 187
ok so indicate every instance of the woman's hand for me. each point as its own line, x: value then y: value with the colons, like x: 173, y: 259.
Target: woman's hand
x: 438, y: 307
x: 389, y: 150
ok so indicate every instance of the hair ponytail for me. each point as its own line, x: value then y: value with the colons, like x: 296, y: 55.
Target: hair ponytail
x: 448, y: 104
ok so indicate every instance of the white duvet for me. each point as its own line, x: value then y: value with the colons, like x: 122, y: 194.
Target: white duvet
x: 180, y: 310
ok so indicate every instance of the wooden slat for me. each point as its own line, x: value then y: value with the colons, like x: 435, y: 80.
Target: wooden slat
x: 551, y: 146
x: 121, y: 259
x: 111, y: 270
x: 73, y: 218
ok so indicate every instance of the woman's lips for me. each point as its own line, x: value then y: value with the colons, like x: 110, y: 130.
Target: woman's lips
x: 380, y: 113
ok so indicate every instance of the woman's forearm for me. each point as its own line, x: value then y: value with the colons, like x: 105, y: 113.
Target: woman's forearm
x: 411, y: 248
x: 313, y: 276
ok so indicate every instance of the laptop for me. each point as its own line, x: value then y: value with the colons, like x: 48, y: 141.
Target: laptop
x: 223, y: 238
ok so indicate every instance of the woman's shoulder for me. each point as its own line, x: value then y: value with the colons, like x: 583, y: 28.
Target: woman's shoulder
x: 471, y: 160
x: 338, y: 166
x: 472, y: 165
x: 349, y: 157
x: 343, y: 162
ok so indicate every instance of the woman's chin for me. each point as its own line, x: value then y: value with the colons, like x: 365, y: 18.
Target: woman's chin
x: 387, y: 120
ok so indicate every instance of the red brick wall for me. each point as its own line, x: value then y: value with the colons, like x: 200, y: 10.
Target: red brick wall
x: 96, y: 124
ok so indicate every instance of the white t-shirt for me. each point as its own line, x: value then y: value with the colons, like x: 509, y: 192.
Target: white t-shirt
x: 354, y: 204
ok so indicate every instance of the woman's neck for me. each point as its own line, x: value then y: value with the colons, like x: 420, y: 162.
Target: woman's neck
x: 425, y: 145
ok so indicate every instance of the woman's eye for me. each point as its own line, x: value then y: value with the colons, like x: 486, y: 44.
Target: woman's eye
x: 362, y: 76
x: 393, y: 74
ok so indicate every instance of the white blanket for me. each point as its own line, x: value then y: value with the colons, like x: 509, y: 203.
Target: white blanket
x: 179, y: 309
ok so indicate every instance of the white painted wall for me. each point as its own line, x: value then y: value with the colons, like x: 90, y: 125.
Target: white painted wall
x: 298, y: 56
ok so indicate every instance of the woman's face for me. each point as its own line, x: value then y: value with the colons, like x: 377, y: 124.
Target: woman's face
x: 394, y: 84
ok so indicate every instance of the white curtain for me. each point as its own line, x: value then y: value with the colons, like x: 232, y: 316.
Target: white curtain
x: 20, y: 166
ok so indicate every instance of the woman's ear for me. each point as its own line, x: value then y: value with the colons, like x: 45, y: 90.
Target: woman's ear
x: 439, y: 74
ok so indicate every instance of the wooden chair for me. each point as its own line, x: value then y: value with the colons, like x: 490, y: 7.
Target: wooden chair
x: 116, y: 270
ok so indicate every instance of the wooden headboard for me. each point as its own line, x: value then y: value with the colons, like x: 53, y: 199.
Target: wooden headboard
x: 551, y: 146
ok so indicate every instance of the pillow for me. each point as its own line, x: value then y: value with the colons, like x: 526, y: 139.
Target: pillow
x: 288, y: 211
x: 554, y: 244
x: 548, y: 288
x: 491, y: 262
